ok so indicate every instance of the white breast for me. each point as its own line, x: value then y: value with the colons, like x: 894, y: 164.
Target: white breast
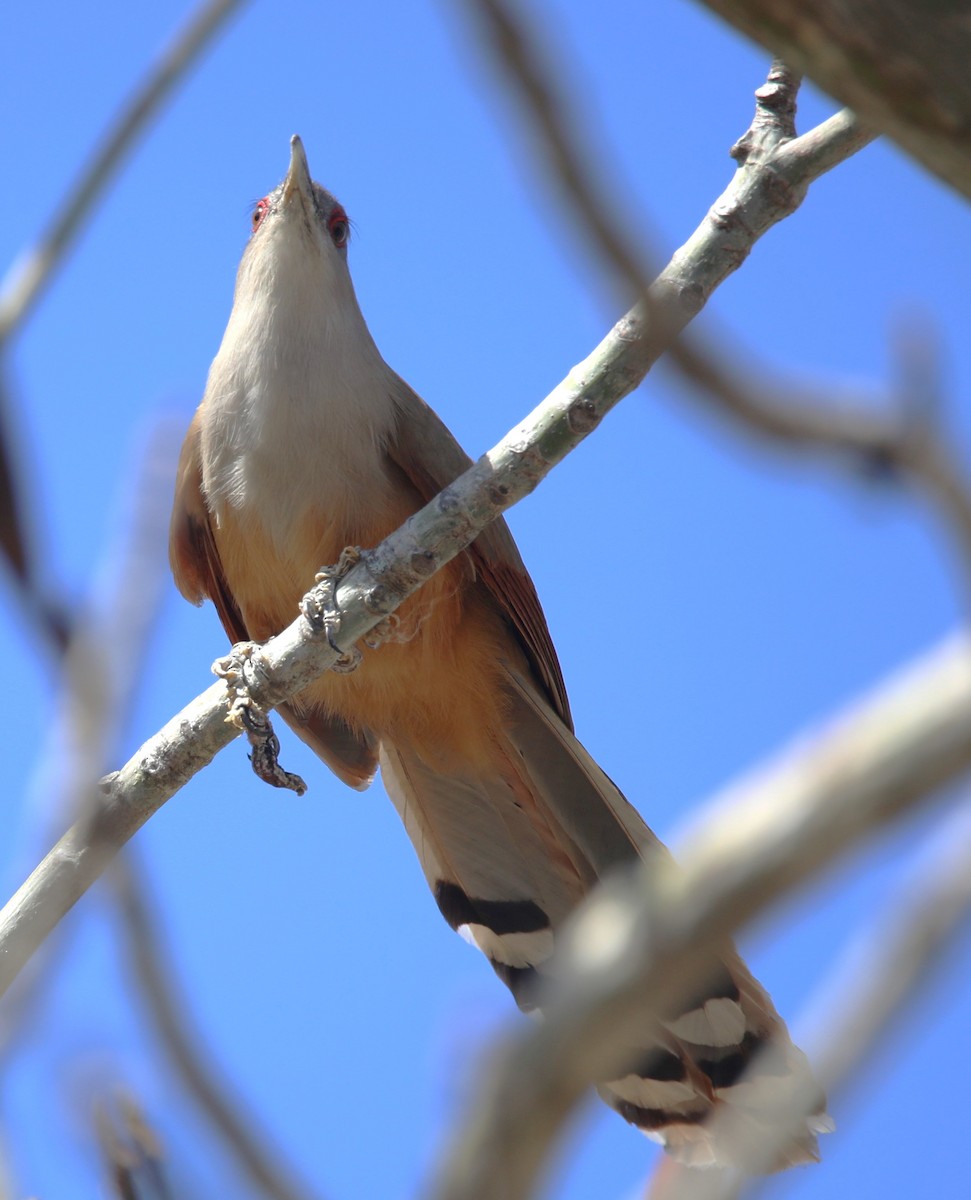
x: 297, y: 409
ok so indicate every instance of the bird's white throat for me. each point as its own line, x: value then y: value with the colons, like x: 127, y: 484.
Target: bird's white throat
x: 298, y: 390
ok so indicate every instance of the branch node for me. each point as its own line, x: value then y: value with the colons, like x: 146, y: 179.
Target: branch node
x: 106, y: 784
x: 583, y: 415
x: 774, y: 121
x: 423, y: 563
x: 376, y: 599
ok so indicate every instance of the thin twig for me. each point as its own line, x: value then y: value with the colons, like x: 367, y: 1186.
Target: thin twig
x: 26, y: 279
x: 14, y: 541
x: 884, y: 974
x: 518, y: 50
x: 102, y: 663
x: 130, y: 1150
x: 155, y: 975
x: 795, y: 420
x: 43, y: 613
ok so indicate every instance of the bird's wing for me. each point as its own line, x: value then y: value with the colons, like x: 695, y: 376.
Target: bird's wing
x: 425, y: 450
x: 194, y: 557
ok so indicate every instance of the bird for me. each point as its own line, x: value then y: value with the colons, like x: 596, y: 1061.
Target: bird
x: 305, y: 443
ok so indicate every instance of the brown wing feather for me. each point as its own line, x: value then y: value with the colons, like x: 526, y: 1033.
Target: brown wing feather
x: 194, y: 557
x: 425, y: 450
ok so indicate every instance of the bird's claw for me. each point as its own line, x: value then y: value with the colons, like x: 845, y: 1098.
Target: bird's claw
x: 242, y: 668
x: 320, y: 610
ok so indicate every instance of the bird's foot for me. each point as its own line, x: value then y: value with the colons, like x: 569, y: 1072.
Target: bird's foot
x: 319, y: 608
x: 242, y: 669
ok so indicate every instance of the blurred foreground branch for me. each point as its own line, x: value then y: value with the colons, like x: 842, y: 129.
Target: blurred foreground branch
x: 881, y: 974
x: 640, y: 939
x: 26, y: 279
x: 130, y: 1150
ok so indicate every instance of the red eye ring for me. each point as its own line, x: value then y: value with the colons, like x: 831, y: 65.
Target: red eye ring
x: 260, y: 212
x: 338, y: 227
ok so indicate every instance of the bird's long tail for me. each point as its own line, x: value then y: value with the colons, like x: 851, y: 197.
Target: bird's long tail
x: 509, y: 855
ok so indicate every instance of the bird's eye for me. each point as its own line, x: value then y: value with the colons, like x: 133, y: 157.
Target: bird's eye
x: 260, y: 212
x: 339, y: 227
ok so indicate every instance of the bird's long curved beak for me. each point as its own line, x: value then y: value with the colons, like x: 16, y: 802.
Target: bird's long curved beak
x: 298, y: 181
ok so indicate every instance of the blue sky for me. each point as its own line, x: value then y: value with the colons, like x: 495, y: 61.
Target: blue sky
x: 760, y: 592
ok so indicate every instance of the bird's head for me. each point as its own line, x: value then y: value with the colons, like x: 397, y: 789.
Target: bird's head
x: 298, y: 245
